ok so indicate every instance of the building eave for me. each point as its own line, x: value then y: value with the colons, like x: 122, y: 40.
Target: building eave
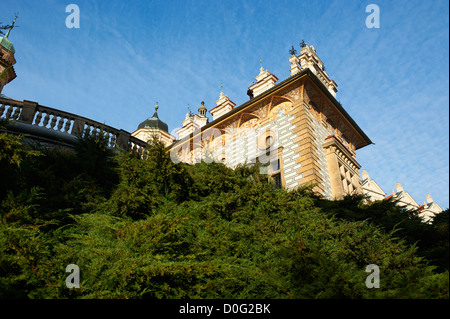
x: 287, y: 81
x: 339, y: 107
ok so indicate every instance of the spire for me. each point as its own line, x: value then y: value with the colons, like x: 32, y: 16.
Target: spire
x: 308, y: 59
x: 156, y: 110
x: 11, y: 27
x: 5, y: 42
x: 221, y: 90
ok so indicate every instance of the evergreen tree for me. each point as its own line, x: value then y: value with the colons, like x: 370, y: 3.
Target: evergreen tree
x: 150, y: 228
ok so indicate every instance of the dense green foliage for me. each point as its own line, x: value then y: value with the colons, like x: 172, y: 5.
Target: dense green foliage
x: 155, y: 229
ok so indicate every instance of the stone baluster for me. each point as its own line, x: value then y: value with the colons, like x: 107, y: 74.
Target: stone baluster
x: 60, y: 123
x: 9, y: 112
x: 38, y: 118
x: 16, y: 113
x: 53, y: 122
x: 112, y: 140
x: 67, y: 126
x: 46, y: 116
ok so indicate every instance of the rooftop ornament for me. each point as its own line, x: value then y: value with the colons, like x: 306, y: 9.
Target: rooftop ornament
x: 293, y: 51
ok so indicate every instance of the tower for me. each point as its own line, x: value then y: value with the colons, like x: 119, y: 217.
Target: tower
x: 202, y: 109
x: 264, y: 81
x: 296, y: 128
x: 7, y: 60
x: 223, y: 106
x: 193, y: 122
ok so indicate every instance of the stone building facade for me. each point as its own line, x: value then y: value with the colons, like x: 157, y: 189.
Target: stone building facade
x: 296, y: 127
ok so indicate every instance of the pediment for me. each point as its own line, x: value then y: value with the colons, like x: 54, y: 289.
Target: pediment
x: 406, y: 198
x: 374, y: 187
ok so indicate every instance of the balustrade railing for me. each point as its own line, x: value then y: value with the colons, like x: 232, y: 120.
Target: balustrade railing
x: 67, y: 123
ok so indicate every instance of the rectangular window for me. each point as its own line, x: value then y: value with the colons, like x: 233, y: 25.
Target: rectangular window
x: 272, y: 167
x: 275, y: 165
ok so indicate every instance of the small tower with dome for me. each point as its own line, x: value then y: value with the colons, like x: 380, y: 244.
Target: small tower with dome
x: 153, y: 126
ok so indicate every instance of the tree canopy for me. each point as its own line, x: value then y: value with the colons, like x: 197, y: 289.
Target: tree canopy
x: 156, y: 229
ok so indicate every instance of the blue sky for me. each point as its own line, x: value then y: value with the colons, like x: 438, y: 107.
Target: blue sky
x: 127, y: 55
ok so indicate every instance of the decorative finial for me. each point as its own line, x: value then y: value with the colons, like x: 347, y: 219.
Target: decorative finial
x: 293, y: 51
x: 302, y: 44
x: 11, y: 26
x: 261, y: 69
x: 156, y: 106
x: 221, y: 91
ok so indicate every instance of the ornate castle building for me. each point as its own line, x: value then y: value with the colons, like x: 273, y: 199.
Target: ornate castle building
x: 296, y: 127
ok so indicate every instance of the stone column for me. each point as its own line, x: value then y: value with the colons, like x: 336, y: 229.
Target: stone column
x: 28, y: 112
x: 122, y: 139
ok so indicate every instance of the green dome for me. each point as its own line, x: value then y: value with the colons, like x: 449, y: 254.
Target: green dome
x: 154, y: 122
x: 4, y: 42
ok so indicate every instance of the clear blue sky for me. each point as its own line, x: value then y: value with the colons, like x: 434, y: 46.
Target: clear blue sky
x: 126, y: 55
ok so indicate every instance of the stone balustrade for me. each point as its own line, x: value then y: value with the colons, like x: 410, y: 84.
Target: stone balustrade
x: 47, y: 123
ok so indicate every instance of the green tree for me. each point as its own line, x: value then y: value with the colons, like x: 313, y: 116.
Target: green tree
x: 150, y: 228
